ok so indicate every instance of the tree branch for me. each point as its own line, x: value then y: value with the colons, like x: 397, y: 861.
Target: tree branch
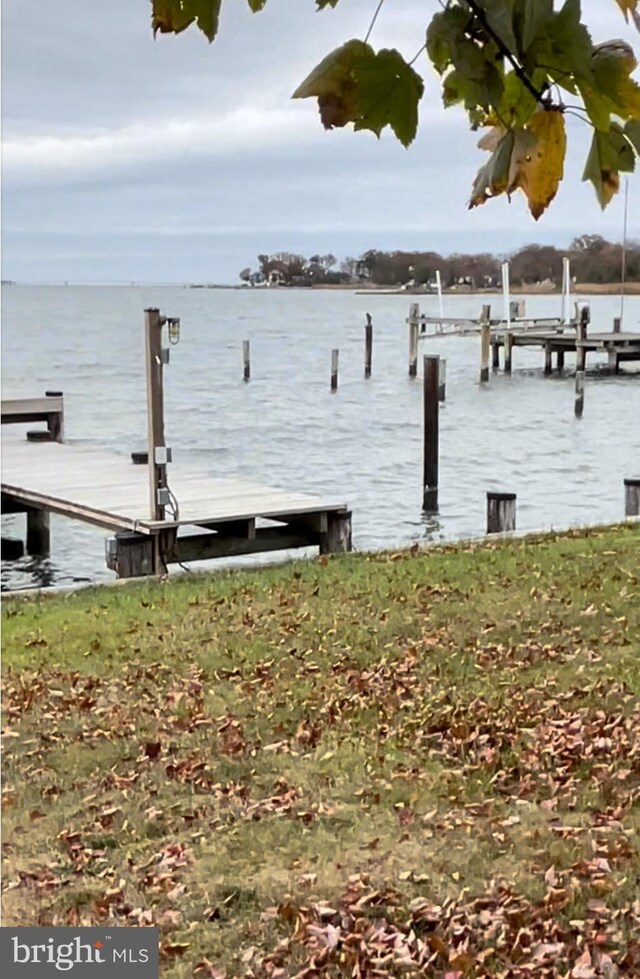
x: 504, y: 50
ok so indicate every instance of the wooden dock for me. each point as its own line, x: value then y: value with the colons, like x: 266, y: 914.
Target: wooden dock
x: 223, y: 517
x: 618, y: 346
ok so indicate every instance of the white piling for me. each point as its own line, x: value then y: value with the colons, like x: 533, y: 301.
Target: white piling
x: 566, y: 290
x: 505, y: 292
x: 440, y: 301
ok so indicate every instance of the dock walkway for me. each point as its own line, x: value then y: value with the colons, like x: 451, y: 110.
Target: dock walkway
x: 107, y: 490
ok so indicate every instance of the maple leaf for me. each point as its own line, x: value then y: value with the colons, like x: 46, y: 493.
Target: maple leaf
x: 537, y: 163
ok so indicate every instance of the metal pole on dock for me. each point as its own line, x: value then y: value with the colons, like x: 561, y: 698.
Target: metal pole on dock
x: 632, y: 497
x: 334, y: 370
x: 246, y: 360
x: 153, y: 323
x: 431, y: 414
x: 485, y: 343
x: 578, y: 407
x: 414, y: 313
x: 501, y: 512
x: 368, y: 346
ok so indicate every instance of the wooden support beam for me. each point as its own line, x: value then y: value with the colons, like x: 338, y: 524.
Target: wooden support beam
x: 245, y: 529
x: 495, y: 357
x: 612, y: 354
x: 38, y: 532
x: 337, y: 539
x: 317, y: 523
x: 206, y: 547
x: 548, y: 350
x: 560, y: 360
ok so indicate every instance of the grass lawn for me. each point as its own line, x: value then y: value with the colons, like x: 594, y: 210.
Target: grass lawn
x: 363, y: 766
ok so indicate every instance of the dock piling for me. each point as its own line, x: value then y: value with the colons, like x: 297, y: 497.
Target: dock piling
x: 632, y: 496
x: 485, y: 343
x: 578, y: 407
x: 508, y: 348
x: 581, y: 334
x: 38, y: 533
x: 501, y: 512
x: 495, y: 357
x: 246, y: 360
x: 55, y: 420
x: 414, y: 313
x: 368, y: 346
x: 548, y: 353
x: 334, y: 370
x: 617, y: 324
x: 431, y: 372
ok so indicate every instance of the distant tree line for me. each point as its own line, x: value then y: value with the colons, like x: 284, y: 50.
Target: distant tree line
x: 593, y: 259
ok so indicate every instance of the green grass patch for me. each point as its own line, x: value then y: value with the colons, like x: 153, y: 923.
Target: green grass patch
x: 444, y: 743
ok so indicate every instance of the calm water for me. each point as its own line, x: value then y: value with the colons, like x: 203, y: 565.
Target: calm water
x: 362, y: 445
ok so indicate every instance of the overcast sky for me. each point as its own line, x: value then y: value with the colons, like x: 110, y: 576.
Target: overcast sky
x: 126, y: 158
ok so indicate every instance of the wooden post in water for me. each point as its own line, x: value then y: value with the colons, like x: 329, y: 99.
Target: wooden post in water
x: 246, y: 360
x: 495, y: 356
x: 38, y: 532
x: 368, y: 346
x: 431, y: 434
x: 485, y: 343
x: 442, y: 380
x: 334, y: 370
x: 508, y: 347
x: 613, y: 359
x: 55, y: 421
x: 578, y: 407
x: 548, y: 367
x: 414, y: 313
x: 632, y: 496
x: 581, y: 334
x: 501, y: 512
x: 560, y: 361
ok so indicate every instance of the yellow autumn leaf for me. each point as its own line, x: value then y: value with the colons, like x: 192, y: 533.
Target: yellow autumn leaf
x: 537, y: 162
x: 630, y: 7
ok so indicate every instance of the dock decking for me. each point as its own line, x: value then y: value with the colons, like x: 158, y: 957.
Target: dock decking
x: 108, y: 490
x: 617, y: 345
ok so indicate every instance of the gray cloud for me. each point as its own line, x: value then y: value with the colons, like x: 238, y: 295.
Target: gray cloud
x: 127, y: 158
